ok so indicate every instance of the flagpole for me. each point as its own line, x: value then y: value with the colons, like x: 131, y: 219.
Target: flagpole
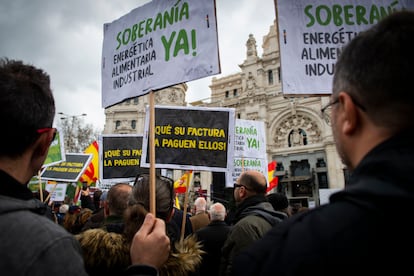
x: 188, y: 181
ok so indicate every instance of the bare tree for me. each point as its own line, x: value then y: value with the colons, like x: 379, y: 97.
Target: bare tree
x: 77, y: 135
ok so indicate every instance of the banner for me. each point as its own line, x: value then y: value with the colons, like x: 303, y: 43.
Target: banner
x: 191, y: 138
x: 56, y: 151
x: 249, y: 149
x: 312, y: 34
x: 69, y: 170
x: 157, y: 45
x: 121, y: 157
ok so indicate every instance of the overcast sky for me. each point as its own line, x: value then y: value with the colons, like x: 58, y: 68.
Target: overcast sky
x: 65, y: 39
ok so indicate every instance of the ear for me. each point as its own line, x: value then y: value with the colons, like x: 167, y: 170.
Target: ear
x: 106, y: 208
x: 348, y: 113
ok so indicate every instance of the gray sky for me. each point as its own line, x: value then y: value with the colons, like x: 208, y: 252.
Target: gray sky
x: 65, y: 39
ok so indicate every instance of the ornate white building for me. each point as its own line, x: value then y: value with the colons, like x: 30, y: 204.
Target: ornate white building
x: 297, y: 136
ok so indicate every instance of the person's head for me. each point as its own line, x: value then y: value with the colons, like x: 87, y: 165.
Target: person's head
x: 102, y: 199
x: 217, y: 212
x: 27, y: 110
x: 248, y: 184
x: 139, y: 202
x: 280, y: 202
x: 117, y: 199
x: 104, y: 253
x: 97, y: 198
x: 200, y: 205
x: 371, y: 97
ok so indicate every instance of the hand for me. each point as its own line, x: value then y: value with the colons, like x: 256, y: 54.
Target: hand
x: 150, y: 245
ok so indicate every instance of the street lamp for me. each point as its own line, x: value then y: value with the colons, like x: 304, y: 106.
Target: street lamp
x: 70, y: 143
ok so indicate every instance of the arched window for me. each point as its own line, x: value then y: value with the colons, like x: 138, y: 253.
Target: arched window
x: 133, y: 124
x: 117, y: 124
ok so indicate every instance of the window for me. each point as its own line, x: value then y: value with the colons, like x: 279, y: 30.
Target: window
x: 227, y: 94
x: 278, y: 73
x: 117, y: 124
x: 136, y: 100
x: 270, y: 77
x: 235, y: 92
x: 133, y: 124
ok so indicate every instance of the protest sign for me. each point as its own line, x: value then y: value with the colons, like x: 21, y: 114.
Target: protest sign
x: 121, y: 156
x: 191, y: 138
x: 69, y: 170
x: 312, y: 34
x: 157, y: 45
x: 56, y: 153
x: 249, y: 149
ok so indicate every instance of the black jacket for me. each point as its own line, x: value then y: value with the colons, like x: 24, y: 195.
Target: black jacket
x: 365, y: 229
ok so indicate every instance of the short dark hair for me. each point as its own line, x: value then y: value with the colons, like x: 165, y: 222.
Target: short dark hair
x: 376, y: 69
x: 26, y: 104
x: 117, y: 198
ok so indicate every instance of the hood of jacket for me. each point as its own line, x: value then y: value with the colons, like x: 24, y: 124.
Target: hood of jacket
x: 259, y: 206
x: 10, y: 204
x: 184, y: 259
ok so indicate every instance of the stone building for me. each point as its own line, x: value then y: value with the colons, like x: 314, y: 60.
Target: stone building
x: 298, y: 137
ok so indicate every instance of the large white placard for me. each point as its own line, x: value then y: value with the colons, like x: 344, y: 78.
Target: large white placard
x: 157, y: 45
x: 312, y: 34
x: 249, y: 149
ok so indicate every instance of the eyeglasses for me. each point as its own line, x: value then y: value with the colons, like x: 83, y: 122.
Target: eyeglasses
x: 323, y: 109
x: 235, y: 185
x: 46, y: 129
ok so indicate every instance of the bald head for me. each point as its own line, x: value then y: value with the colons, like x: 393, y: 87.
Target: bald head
x: 200, y: 204
x: 254, y: 181
x: 217, y: 212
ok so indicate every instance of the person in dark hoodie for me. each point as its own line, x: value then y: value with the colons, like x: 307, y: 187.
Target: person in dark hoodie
x: 253, y: 217
x: 30, y: 242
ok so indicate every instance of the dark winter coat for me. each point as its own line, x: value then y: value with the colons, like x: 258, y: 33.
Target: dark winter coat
x: 364, y: 230
x: 30, y: 242
x: 212, y: 238
x: 253, y: 218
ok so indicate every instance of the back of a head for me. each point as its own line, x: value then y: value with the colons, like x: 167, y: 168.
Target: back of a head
x: 164, y: 194
x: 200, y: 204
x: 26, y: 103
x: 279, y: 201
x: 376, y: 69
x: 254, y: 181
x: 217, y: 212
x: 117, y: 198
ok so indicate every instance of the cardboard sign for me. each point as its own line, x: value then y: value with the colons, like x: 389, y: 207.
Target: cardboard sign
x: 121, y: 157
x: 312, y: 34
x: 157, y: 45
x: 190, y: 138
x: 69, y: 170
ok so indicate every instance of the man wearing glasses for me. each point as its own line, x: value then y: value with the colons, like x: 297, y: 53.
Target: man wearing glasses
x: 366, y: 228
x: 254, y: 216
x: 30, y: 242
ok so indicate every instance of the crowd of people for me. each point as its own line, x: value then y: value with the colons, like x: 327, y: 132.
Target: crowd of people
x: 363, y: 229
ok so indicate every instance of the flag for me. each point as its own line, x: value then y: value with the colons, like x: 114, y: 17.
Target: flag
x: 273, y: 180
x: 91, y: 173
x: 180, y: 185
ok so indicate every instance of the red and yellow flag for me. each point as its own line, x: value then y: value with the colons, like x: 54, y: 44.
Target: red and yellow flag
x: 180, y: 185
x: 91, y: 173
x: 273, y: 180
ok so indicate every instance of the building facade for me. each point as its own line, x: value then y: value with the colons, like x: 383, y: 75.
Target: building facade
x: 298, y: 136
